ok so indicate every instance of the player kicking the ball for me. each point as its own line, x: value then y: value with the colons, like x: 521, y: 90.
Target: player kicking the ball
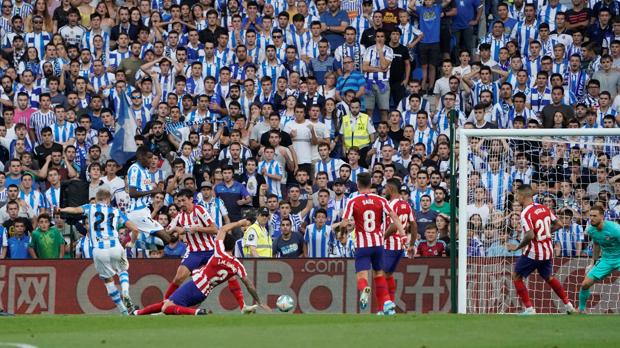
x: 396, y: 244
x: 605, y: 237
x: 538, y: 223
x: 369, y: 213
x: 108, y: 254
x: 222, y: 266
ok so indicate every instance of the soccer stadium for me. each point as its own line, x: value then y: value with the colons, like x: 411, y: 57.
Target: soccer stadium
x: 299, y: 172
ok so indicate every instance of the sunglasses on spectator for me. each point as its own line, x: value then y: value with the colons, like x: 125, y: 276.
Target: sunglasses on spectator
x: 136, y: 97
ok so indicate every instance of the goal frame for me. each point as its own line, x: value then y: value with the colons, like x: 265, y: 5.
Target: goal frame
x: 463, y: 137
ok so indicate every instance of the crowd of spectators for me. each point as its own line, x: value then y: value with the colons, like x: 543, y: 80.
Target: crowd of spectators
x: 272, y: 108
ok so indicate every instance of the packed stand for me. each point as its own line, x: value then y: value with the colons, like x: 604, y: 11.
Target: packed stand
x: 270, y: 110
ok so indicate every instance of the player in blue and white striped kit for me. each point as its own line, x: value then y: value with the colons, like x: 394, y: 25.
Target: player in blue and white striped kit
x: 108, y: 253
x: 141, y: 188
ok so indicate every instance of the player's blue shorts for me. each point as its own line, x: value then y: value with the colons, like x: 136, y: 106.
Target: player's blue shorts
x: 196, y: 259
x: 365, y: 257
x: 525, y: 266
x: 188, y: 295
x: 391, y: 258
x: 603, y: 268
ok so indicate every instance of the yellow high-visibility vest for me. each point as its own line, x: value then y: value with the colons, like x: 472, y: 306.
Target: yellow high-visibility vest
x: 263, y: 242
x: 358, y: 137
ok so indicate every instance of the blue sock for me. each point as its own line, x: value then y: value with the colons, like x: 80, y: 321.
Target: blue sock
x: 584, y: 295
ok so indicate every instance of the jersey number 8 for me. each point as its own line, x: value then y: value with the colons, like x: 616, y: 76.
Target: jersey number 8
x: 369, y: 221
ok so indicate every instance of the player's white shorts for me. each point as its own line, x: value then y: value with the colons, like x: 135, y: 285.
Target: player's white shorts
x: 143, y: 220
x: 111, y: 261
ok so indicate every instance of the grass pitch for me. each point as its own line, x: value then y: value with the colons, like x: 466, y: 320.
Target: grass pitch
x: 316, y: 331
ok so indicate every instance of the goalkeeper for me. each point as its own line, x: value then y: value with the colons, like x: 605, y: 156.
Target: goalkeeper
x: 605, y: 236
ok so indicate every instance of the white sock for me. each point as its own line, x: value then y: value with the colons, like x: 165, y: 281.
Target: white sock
x: 115, y: 296
x: 124, y: 278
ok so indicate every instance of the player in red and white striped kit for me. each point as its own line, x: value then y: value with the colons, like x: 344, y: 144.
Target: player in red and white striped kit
x: 221, y: 267
x: 195, y: 222
x: 538, y: 222
x: 369, y: 212
x: 396, y: 244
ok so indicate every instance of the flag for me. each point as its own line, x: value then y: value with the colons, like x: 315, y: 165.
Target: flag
x: 123, y: 145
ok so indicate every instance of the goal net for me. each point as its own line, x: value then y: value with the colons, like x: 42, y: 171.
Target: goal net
x: 570, y: 170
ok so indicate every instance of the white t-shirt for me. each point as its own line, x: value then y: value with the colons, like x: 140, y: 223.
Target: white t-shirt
x: 301, y: 140
x: 10, y: 136
x: 460, y: 71
x: 321, y: 132
x: 615, y: 162
x: 282, y: 160
x: 442, y: 86
x: 483, y: 211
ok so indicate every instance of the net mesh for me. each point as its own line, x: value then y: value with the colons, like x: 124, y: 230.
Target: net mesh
x: 569, y: 175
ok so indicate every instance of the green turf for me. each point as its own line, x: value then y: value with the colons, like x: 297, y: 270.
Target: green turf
x: 316, y: 331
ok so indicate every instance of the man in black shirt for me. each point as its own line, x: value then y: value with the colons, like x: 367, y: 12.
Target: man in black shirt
x: 547, y: 172
x: 400, y: 69
x: 368, y: 36
x: 274, y: 123
x: 160, y: 139
x: 47, y: 146
x: 206, y: 163
x: 213, y: 30
x: 61, y: 13
x: 445, y: 32
x: 124, y: 26
x: 395, y: 131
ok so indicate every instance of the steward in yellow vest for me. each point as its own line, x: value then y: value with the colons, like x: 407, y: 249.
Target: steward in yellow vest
x: 355, y: 128
x: 256, y: 239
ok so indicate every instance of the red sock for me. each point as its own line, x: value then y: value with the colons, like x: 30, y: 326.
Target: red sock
x: 150, y: 309
x: 361, y: 284
x: 522, y: 292
x: 381, y: 292
x: 235, y: 289
x: 171, y: 289
x: 558, y: 289
x: 179, y: 310
x: 391, y: 285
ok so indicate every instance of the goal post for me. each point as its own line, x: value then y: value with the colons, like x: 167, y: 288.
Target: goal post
x: 484, y: 284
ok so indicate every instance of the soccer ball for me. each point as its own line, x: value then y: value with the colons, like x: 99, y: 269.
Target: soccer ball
x: 285, y: 303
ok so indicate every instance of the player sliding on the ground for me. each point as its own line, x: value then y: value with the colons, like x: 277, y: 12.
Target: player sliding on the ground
x: 396, y: 244
x: 369, y: 212
x: 221, y: 267
x: 195, y: 222
x: 109, y: 255
x: 605, y: 237
x: 538, y: 223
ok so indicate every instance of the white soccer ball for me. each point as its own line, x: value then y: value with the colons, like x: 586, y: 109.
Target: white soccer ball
x: 285, y: 303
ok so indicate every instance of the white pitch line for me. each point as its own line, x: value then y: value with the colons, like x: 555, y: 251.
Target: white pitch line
x: 16, y: 345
